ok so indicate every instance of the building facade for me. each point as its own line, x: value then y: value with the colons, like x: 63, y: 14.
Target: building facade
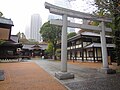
x: 36, y: 23
x: 33, y: 50
x: 86, y: 46
x: 9, y: 45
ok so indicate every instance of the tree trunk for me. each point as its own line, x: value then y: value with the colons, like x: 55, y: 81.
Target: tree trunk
x: 54, y: 51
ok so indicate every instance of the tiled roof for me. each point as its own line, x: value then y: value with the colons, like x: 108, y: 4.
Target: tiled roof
x: 99, y: 45
x: 92, y: 34
x: 30, y: 46
x: 6, y: 21
x: 14, y: 38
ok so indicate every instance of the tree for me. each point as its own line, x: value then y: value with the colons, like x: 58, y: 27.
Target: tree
x: 22, y: 39
x: 71, y: 34
x: 58, y: 54
x: 19, y: 35
x: 2, y: 41
x: 1, y: 14
x: 102, y: 13
x: 113, y: 6
x: 49, y: 50
x: 52, y: 34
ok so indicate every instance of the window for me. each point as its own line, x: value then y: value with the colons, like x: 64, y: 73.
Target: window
x: 90, y: 53
x: 10, y: 52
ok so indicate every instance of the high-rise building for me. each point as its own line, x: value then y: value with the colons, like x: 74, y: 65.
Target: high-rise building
x: 36, y: 23
x: 27, y: 31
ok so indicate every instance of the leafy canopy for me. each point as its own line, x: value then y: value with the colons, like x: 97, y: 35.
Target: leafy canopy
x: 52, y: 34
x: 71, y: 34
x: 113, y: 6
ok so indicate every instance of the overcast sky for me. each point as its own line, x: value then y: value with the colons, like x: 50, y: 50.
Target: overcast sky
x: 20, y: 11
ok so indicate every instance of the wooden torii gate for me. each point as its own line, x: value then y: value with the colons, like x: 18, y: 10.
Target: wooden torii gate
x: 65, y: 23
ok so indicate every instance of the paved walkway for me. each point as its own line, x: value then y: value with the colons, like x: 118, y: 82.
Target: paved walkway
x: 87, y: 76
x: 27, y: 76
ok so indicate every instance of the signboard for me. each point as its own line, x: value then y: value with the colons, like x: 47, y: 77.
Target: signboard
x: 4, y: 33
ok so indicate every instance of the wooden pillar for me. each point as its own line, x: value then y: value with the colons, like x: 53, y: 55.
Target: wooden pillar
x: 79, y: 49
x: 82, y: 49
x: 93, y: 54
x: 75, y: 51
x: 101, y: 54
x: 86, y: 54
x: 70, y: 50
x: 97, y: 53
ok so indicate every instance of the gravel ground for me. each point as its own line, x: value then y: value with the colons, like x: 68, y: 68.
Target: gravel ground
x: 108, y: 83
x: 27, y: 76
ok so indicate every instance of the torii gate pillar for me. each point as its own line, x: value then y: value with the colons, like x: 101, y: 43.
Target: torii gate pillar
x: 105, y: 68
x: 103, y: 47
x: 64, y: 45
x: 64, y: 74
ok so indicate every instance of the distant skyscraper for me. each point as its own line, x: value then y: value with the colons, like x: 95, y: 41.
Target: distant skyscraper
x: 36, y: 23
x: 27, y: 31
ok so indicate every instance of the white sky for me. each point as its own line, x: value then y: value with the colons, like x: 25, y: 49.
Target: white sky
x: 20, y: 11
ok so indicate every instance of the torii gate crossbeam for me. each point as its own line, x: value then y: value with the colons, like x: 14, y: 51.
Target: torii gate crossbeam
x: 75, y: 14
x: 82, y: 26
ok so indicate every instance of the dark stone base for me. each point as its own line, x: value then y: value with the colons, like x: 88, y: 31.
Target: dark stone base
x: 107, y: 71
x: 64, y: 75
x: 2, y: 75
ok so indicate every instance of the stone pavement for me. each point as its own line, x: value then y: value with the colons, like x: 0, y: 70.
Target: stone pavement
x: 107, y: 83
x: 27, y: 76
x: 86, y: 78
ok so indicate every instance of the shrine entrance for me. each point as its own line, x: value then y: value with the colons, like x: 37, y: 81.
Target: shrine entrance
x: 65, y: 13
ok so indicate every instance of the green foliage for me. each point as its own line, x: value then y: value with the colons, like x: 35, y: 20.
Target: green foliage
x: 116, y: 20
x: 49, y: 50
x: 1, y: 42
x: 58, y: 53
x: 71, y: 34
x: 1, y: 14
x: 113, y: 7
x: 52, y: 34
x: 101, y: 13
x: 110, y: 6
